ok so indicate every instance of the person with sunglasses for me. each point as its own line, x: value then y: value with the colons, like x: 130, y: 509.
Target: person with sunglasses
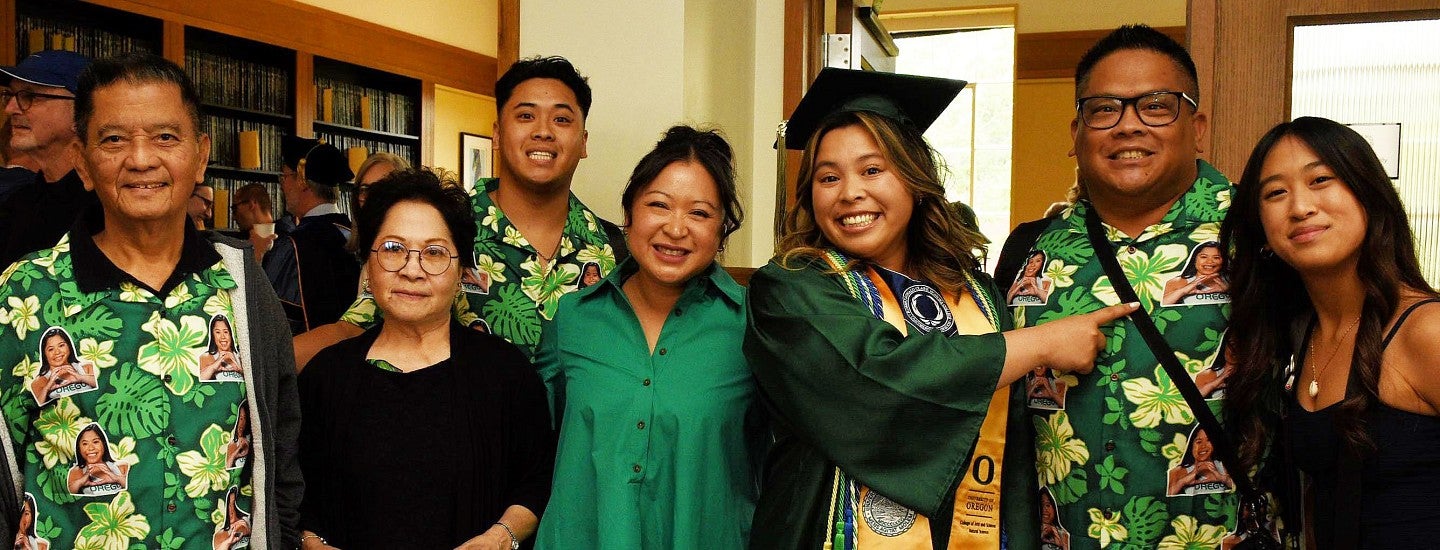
x: 1105, y: 454
x: 39, y: 100
x: 421, y: 433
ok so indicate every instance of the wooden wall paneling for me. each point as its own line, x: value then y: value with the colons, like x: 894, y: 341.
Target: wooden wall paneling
x: 509, y: 36
x: 804, y: 27
x: 1251, y: 62
x: 427, y: 122
x: 7, y: 21
x: 290, y: 24
x: 305, y: 94
x: 1055, y: 54
x: 172, y: 42
x: 1201, y: 43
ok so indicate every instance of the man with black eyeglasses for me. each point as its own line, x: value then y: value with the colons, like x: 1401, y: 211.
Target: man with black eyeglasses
x: 1105, y: 449
x: 201, y: 207
x: 39, y: 98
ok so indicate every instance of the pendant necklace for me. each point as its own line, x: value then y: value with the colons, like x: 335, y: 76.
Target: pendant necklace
x: 1318, y: 370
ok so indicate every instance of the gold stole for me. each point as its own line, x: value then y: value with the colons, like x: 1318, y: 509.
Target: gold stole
x: 976, y: 521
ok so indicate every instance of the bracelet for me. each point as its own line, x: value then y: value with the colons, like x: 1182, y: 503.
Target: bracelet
x: 312, y: 536
x: 514, y: 542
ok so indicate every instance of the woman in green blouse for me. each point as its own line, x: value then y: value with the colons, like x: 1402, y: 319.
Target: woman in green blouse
x: 656, y: 407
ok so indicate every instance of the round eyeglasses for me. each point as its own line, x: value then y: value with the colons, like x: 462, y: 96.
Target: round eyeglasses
x: 393, y: 256
x: 1153, y: 109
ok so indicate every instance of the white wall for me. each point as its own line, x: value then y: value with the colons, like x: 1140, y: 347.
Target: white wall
x: 656, y: 63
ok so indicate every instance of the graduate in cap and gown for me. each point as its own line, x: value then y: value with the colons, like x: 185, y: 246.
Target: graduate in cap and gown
x: 312, y: 272
x: 876, y: 340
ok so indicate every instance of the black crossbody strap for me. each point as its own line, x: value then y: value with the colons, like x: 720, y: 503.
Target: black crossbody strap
x: 1104, y: 251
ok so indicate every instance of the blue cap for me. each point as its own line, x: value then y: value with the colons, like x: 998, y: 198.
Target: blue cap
x: 53, y: 68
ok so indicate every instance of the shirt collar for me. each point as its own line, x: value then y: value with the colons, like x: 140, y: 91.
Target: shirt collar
x: 95, y: 272
x: 323, y: 209
x: 713, y: 280
x: 1204, y: 201
x: 577, y: 236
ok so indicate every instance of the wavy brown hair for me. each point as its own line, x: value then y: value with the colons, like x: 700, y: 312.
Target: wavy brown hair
x: 1269, y: 297
x: 940, y: 244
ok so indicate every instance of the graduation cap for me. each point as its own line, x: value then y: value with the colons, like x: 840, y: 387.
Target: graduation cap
x: 315, y: 160
x: 912, y: 100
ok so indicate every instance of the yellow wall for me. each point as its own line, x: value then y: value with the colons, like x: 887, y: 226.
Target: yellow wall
x: 1042, y: 169
x: 459, y: 111
x: 467, y: 24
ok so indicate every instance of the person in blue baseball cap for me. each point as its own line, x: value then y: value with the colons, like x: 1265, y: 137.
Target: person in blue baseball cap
x: 39, y: 99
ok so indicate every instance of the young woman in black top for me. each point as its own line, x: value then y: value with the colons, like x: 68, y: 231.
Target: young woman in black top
x: 1337, y: 334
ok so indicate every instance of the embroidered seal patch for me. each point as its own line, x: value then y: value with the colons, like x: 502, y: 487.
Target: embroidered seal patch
x: 885, y: 516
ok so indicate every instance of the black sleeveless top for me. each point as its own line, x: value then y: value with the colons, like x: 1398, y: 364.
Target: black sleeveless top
x: 1398, y: 496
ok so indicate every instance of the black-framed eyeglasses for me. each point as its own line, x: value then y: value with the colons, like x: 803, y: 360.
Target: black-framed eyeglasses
x: 393, y: 256
x: 209, y: 203
x: 1153, y: 109
x: 25, y: 98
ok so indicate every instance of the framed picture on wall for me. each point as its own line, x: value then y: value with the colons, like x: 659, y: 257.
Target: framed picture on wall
x: 476, y: 158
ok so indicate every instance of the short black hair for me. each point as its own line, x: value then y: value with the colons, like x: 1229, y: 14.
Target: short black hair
x: 136, y: 68
x: 555, y: 67
x: 422, y: 186
x: 1137, y: 37
x: 705, y: 147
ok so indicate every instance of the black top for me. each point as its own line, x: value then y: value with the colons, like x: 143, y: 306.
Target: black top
x: 12, y: 178
x: 426, y: 459
x: 34, y: 217
x: 1399, y: 483
x: 312, y: 272
x: 95, y: 272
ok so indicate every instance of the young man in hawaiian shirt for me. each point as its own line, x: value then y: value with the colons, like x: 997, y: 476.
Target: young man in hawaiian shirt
x: 1107, y: 445
x: 533, y: 236
x: 147, y: 387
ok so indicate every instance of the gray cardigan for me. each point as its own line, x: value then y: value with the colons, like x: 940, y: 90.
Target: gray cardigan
x: 261, y: 330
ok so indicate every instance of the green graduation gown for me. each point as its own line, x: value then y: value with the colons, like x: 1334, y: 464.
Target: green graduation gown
x: 899, y: 414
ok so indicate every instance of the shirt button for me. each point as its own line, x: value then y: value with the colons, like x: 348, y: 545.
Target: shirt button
x: 1109, y: 514
x: 636, y: 468
x: 1110, y: 445
x: 166, y: 379
x: 1131, y: 249
x: 662, y: 351
x: 679, y: 312
x: 170, y: 507
x: 640, y: 425
x: 1115, y: 377
x: 646, y: 382
x: 172, y: 440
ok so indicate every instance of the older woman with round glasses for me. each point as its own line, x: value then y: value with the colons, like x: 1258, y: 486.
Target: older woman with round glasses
x: 420, y: 433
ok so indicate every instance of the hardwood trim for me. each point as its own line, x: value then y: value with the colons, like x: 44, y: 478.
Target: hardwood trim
x: 173, y: 42
x: 305, y: 95
x: 7, y: 21
x: 509, y: 37
x: 427, y: 122
x: 327, y: 34
x: 804, y: 27
x: 1202, y: 43
x: 1055, y: 54
x: 741, y: 274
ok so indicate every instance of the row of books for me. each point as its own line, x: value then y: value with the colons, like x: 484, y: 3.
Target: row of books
x: 345, y: 143
x: 243, y: 144
x: 34, y: 35
x: 239, y: 83
x: 355, y: 105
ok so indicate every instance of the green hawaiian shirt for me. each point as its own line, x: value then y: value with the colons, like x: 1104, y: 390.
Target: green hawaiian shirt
x: 1117, y: 449
x: 126, y: 409
x: 509, y: 293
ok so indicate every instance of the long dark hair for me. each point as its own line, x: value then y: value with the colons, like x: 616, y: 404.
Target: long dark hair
x: 213, y: 349
x: 1190, y: 269
x: 1269, y: 296
x: 45, y: 361
x: 1189, y: 459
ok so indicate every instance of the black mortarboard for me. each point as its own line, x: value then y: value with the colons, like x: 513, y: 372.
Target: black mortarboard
x: 910, y: 99
x: 324, y: 164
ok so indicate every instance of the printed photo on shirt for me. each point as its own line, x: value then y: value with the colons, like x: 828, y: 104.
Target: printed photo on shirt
x: 95, y: 472
x: 589, y: 275
x: 1031, y: 286
x: 237, y: 452
x: 220, y: 362
x: 1211, y: 380
x: 25, y: 537
x: 1200, y: 472
x: 234, y: 533
x: 1043, y: 390
x: 475, y: 281
x: 1205, y: 279
x: 1053, y: 536
x: 62, y: 373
